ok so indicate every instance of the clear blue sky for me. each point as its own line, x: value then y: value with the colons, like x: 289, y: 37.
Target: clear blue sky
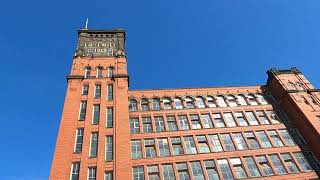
x: 169, y: 44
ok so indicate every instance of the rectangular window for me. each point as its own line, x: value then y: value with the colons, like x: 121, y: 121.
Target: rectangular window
x: 211, y: 170
x: 265, y: 166
x: 286, y: 137
x: 225, y: 169
x: 109, y: 123
x: 239, y: 141
x: 150, y: 148
x: 197, y: 170
x: 216, y: 145
x: 303, y: 162
x: 312, y: 159
x: 138, y: 173
x: 79, y: 140
x: 232, y: 101
x: 85, y: 89
x: 207, y: 122
x: 252, y: 167
x: 279, y: 168
x: 109, y: 148
x: 93, y: 145
x: 184, y: 125
x: 83, y: 110
x: 240, y: 118
x: 134, y: 125
x: 297, y: 137
x: 183, y: 171
x: 264, y: 139
x: 172, y: 124
x: 275, y: 139
x: 217, y: 119
x: 190, y: 145
x: 146, y: 124
x: 176, y: 146
x: 96, y: 114
x: 252, y: 141
x: 274, y: 118
x: 92, y: 173
x: 262, y: 117
x: 97, y: 91
x: 228, y: 144
x: 289, y: 162
x: 136, y: 149
x: 110, y: 92
x: 110, y: 72
x: 238, y: 168
x: 108, y: 175
x: 153, y: 172
x: 163, y: 147
x: 251, y: 118
x: 75, y: 169
x: 167, y: 172
x: 203, y: 144
x: 228, y: 118
x: 195, y: 121
x: 159, y: 124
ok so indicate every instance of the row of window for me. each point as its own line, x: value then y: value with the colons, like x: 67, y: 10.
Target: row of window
x: 209, y: 143
x: 228, y: 168
x: 96, y: 114
x: 92, y: 172
x: 97, y: 91
x: 99, y: 72
x: 206, y: 120
x: 198, y: 102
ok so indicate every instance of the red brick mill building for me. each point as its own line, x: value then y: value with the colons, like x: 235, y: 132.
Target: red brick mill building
x: 109, y: 132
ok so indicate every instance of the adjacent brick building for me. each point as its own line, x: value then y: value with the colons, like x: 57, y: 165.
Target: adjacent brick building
x: 108, y: 132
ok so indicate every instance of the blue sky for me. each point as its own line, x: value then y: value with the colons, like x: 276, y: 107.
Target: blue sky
x: 169, y: 44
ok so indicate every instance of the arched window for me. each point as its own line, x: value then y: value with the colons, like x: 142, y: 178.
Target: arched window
x: 232, y: 101
x: 110, y: 72
x: 144, y: 104
x: 133, y: 105
x: 261, y: 99
x: 221, y: 102
x: 99, y: 72
x: 252, y: 100
x: 155, y: 104
x: 211, y: 102
x: 189, y: 102
x: 167, y: 103
x: 242, y: 100
x: 200, y: 102
x: 178, y: 103
x: 87, y: 72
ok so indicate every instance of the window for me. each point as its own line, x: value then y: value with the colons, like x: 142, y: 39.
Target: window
x: 144, y: 105
x: 109, y: 148
x: 211, y: 170
x: 75, y: 169
x: 239, y: 141
x: 176, y: 146
x: 184, y: 125
x: 85, y: 89
x: 252, y: 167
x: 303, y: 162
x: 261, y: 99
x: 251, y: 118
x: 252, y: 141
x: 211, y: 102
x: 200, y: 102
x: 110, y: 92
x: 197, y: 170
x: 203, y: 144
x: 92, y: 173
x: 216, y: 145
x: 133, y: 105
x: 167, y: 104
x: 217, y: 119
x: 109, y: 123
x: 168, y: 173
x: 82, y: 111
x: 190, y: 145
x: 221, y: 102
x: 108, y: 175
x: 228, y: 118
x: 155, y: 104
x: 99, y: 72
x: 275, y: 139
x: 232, y: 101
x: 163, y: 147
x: 277, y: 164
x: 238, y: 168
x: 297, y: 137
x: 134, y: 125
x: 183, y: 172
x: 138, y: 173
x: 252, y: 100
x: 153, y: 173
x: 79, y: 140
x: 178, y: 103
x: 96, y: 114
x: 225, y: 169
x: 159, y: 124
x: 97, y: 91
x: 172, y: 124
x: 240, y: 118
x: 93, y: 145
x: 110, y: 72
x: 195, y: 121
x: 265, y: 166
x: 286, y: 137
x: 136, y: 149
x: 262, y: 117
x: 241, y: 100
x: 228, y: 144
x: 146, y: 124
x: 312, y: 160
x: 189, y: 102
x: 265, y: 143
x: 150, y: 148
x: 274, y: 118
x: 207, y: 123
x: 87, y: 72
x: 289, y: 162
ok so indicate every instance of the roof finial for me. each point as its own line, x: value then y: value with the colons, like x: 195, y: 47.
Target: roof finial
x: 86, y: 27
